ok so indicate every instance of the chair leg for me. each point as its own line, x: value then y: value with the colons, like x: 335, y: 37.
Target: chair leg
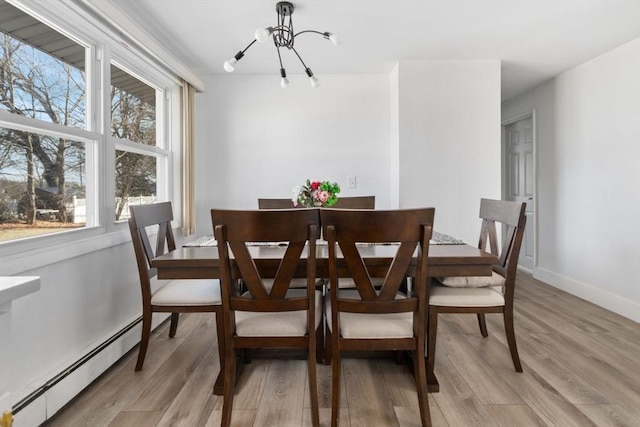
x: 313, y: 377
x: 229, y: 386
x: 144, y: 340
x: 483, y: 325
x: 320, y: 350
x: 420, y: 370
x: 398, y: 355
x: 432, y: 334
x: 174, y: 324
x: 335, y: 383
x: 328, y: 346
x: 220, y: 332
x: 511, y: 339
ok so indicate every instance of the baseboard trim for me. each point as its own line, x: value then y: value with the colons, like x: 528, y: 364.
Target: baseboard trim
x: 73, y: 367
x: 42, y: 402
x: 600, y: 297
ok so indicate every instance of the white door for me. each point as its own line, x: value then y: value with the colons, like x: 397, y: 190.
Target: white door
x: 519, y: 162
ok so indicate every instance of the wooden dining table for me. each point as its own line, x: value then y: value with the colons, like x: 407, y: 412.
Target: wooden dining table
x: 202, y: 262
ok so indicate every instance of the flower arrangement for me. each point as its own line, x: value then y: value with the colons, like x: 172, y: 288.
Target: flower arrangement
x: 316, y: 194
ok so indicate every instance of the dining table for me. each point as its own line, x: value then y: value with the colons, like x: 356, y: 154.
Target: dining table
x: 447, y: 257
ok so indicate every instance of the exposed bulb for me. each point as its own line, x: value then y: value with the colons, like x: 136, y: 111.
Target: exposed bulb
x: 229, y: 65
x: 262, y: 34
x: 284, y: 81
x: 335, y: 39
x: 314, y: 81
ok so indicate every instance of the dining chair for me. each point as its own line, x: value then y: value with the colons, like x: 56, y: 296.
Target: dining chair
x: 278, y: 316
x: 485, y: 294
x: 368, y: 318
x: 174, y: 296
x: 355, y: 202
x: 276, y: 204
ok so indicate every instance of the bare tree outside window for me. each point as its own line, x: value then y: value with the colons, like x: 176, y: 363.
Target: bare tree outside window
x: 43, y: 172
x: 40, y: 175
x: 133, y: 118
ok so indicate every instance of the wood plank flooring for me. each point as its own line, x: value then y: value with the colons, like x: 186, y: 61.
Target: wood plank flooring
x: 581, y: 368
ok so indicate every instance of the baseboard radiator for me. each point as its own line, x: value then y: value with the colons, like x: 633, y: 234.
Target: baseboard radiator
x: 30, y: 398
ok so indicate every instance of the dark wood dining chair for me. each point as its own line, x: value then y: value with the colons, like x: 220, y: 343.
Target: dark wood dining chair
x: 275, y: 316
x: 367, y: 318
x: 490, y: 294
x: 276, y: 204
x: 174, y: 296
x: 355, y: 202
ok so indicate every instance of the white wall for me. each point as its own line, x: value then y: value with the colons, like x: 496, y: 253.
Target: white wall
x: 82, y: 301
x: 255, y: 139
x: 588, y: 148
x: 448, y: 132
x: 428, y: 134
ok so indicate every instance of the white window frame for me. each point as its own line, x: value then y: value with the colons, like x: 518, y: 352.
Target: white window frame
x: 103, y: 48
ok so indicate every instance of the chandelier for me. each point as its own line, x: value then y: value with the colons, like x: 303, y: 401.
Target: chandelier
x: 283, y: 36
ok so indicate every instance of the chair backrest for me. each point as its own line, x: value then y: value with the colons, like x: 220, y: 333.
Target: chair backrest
x: 410, y: 228
x: 143, y: 216
x: 276, y: 204
x: 356, y: 202
x: 234, y: 229
x: 511, y: 215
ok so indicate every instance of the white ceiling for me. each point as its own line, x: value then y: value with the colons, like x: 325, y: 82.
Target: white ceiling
x: 534, y: 39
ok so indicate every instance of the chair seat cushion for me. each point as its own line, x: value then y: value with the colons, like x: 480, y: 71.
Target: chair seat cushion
x: 278, y: 324
x: 296, y: 283
x: 348, y: 283
x: 488, y: 296
x: 357, y: 325
x: 472, y: 281
x: 189, y: 292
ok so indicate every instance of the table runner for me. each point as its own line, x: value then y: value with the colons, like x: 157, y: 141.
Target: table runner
x: 436, y: 239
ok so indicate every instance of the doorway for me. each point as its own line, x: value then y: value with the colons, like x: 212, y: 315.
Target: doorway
x: 519, y: 177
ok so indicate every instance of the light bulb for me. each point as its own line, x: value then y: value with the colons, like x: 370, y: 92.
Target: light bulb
x: 314, y: 81
x: 229, y: 65
x: 335, y: 39
x: 284, y: 81
x: 262, y: 34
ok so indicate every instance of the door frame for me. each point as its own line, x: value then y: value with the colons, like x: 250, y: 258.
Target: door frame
x: 503, y: 163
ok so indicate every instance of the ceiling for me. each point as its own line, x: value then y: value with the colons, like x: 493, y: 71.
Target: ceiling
x: 534, y: 39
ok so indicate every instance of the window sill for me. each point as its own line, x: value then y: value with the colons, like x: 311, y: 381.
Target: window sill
x: 25, y: 255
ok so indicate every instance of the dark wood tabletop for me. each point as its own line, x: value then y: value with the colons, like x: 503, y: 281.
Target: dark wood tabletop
x: 444, y: 260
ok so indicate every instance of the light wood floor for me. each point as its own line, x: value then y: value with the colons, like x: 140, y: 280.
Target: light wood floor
x: 581, y: 368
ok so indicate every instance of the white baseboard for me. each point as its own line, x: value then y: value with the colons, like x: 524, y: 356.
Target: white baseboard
x: 55, y: 398
x: 600, y: 297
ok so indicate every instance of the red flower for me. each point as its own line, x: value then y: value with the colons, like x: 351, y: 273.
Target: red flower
x: 315, y: 185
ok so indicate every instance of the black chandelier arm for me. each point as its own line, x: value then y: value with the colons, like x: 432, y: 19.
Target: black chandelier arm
x: 324, y: 34
x: 279, y: 57
x: 248, y: 46
x: 300, y: 58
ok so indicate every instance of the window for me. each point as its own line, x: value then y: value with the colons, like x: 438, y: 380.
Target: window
x: 42, y: 168
x: 69, y: 162
x: 133, y: 127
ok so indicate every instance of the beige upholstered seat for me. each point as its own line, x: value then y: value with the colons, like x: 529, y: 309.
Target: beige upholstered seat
x: 174, y: 296
x: 371, y: 318
x: 371, y: 326
x: 187, y: 292
x: 274, y: 315
x: 278, y: 324
x: 465, y: 297
x: 491, y: 294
